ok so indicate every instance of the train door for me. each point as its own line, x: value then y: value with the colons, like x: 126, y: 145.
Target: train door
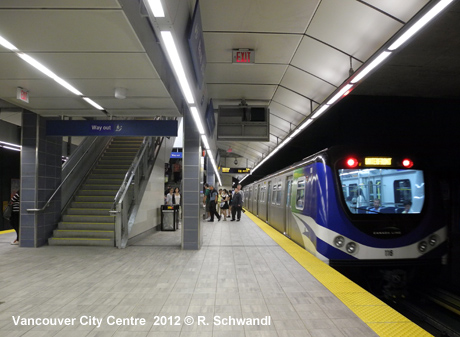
x: 287, y: 207
x: 256, y: 200
x: 268, y: 200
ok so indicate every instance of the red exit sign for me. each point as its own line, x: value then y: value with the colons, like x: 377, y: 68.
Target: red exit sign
x: 243, y: 56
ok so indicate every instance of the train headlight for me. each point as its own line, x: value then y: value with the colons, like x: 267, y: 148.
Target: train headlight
x: 433, y: 240
x: 339, y: 241
x: 351, y: 247
x: 422, y: 246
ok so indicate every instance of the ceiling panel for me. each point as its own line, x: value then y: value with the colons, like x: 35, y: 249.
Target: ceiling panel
x: 71, y: 113
x: 403, y: 10
x: 351, y: 27
x: 97, y: 65
x: 71, y: 103
x: 257, y: 16
x: 245, y: 73
x: 135, y: 87
x: 323, y: 61
x: 69, y: 30
x: 306, y: 84
x: 59, y: 4
x: 269, y: 48
x: 293, y: 101
x: 239, y: 91
x: 286, y: 113
x: 148, y: 113
x: 135, y: 103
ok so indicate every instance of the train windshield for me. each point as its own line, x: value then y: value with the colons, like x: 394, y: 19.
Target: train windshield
x: 377, y: 190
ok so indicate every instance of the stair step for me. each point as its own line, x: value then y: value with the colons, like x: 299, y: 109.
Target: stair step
x: 112, y: 161
x: 106, y: 176
x: 97, y: 198
x: 80, y: 242
x: 86, y: 226
x: 93, y: 181
x: 100, y: 187
x: 88, y: 218
x: 90, y: 234
x: 88, y: 211
x: 91, y: 193
x: 92, y: 204
x: 99, y: 170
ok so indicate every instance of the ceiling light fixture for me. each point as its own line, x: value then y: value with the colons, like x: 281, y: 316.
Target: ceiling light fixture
x: 339, y: 94
x: 157, y: 8
x: 94, y: 104
x: 5, y: 43
x: 196, y: 118
x: 379, y: 59
x: 420, y: 23
x: 177, y: 65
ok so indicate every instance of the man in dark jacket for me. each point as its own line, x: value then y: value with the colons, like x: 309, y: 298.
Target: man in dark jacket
x: 237, y: 204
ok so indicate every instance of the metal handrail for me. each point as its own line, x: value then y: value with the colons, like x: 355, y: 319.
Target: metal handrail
x: 62, y: 183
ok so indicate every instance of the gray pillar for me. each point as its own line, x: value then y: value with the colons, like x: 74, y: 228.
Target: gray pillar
x: 191, y: 230
x: 210, y: 175
x: 40, y: 175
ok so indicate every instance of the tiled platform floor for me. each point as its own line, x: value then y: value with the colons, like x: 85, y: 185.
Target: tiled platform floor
x: 240, y: 272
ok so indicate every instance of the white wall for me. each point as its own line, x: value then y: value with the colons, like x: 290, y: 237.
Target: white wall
x: 149, y: 214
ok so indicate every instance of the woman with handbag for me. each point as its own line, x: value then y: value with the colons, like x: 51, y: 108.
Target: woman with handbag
x: 14, y: 220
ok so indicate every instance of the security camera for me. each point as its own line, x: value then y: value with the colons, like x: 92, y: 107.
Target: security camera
x: 235, y: 162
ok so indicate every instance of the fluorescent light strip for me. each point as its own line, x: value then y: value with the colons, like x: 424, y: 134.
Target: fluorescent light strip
x: 320, y: 111
x: 94, y: 104
x: 177, y: 65
x: 68, y: 86
x: 10, y: 144
x: 371, y: 66
x: 5, y: 43
x: 304, y: 125
x: 340, y: 93
x: 205, y: 141
x: 420, y: 23
x: 213, y: 163
x: 10, y: 148
x: 157, y: 8
x: 196, y: 118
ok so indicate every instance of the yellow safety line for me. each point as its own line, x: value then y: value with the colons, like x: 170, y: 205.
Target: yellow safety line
x: 6, y: 232
x: 384, y: 320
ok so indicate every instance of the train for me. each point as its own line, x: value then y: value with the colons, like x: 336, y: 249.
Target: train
x: 357, y: 207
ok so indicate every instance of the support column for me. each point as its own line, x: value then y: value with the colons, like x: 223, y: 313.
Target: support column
x: 192, y: 236
x: 211, y: 176
x: 41, y: 167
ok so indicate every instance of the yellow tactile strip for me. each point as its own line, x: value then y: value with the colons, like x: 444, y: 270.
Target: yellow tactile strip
x: 7, y: 231
x: 384, y: 320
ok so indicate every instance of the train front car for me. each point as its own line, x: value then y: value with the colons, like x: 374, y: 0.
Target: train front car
x: 380, y: 214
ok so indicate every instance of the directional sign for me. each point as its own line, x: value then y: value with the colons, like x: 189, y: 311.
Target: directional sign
x: 111, y: 128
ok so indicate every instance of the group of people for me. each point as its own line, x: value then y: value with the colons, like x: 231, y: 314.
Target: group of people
x: 222, y: 203
x: 15, y: 204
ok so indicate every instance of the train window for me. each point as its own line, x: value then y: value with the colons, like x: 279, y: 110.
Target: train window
x: 396, y: 191
x: 278, y: 198
x: 274, y: 194
x: 402, y: 190
x: 300, y: 196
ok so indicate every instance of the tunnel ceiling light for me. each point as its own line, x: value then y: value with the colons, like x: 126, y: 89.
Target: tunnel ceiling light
x: 205, y: 141
x: 197, y: 119
x: 46, y: 71
x: 157, y: 8
x: 371, y: 66
x: 94, y: 104
x: 420, y: 23
x: 5, y: 43
x: 177, y: 65
x: 320, y: 111
x: 340, y: 93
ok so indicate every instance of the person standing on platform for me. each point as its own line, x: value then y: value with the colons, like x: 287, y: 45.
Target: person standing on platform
x: 207, y: 200
x: 212, y: 205
x: 169, y: 197
x: 236, y: 205
x: 14, y: 220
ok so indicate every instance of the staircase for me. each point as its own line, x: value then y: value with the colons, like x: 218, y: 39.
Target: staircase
x: 87, y: 221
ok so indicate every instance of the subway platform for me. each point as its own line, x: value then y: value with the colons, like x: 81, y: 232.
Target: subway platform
x: 243, y: 282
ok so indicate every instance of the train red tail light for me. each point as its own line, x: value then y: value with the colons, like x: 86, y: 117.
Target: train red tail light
x: 407, y: 163
x: 352, y: 162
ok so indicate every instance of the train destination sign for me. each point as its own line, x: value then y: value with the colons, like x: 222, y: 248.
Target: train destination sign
x: 235, y: 170
x: 112, y: 128
x: 377, y: 161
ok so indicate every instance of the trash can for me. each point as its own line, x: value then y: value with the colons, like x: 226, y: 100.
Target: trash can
x: 169, y: 217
